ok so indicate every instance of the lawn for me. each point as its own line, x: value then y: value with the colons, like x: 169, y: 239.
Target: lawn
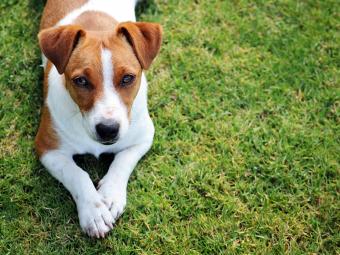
x: 245, y: 98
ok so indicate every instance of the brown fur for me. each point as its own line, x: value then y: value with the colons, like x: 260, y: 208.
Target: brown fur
x: 55, y: 10
x: 45, y: 85
x: 46, y: 138
x: 96, y: 21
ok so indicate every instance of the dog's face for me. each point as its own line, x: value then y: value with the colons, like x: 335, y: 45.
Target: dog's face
x: 103, y: 71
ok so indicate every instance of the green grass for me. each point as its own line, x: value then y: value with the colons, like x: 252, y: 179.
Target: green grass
x: 245, y: 98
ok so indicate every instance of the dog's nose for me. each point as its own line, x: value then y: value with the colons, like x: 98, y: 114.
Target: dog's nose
x: 107, y: 132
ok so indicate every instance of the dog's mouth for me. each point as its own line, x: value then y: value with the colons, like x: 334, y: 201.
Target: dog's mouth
x: 110, y: 142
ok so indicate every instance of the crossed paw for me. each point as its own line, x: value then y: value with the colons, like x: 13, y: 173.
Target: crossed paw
x: 98, y: 213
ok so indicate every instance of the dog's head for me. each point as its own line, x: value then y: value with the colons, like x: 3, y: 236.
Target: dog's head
x: 103, y: 71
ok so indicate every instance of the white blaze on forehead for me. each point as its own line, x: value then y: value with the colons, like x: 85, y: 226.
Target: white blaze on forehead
x: 106, y: 58
x: 110, y: 99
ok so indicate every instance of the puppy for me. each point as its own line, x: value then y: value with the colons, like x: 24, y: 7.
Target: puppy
x: 95, y: 100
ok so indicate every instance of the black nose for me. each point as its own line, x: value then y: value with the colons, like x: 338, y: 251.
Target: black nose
x: 107, y: 132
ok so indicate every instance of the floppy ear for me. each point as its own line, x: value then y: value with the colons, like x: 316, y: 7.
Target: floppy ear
x: 58, y: 43
x: 145, y: 39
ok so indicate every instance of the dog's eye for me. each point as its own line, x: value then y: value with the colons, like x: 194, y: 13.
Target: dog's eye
x: 81, y: 81
x: 127, y: 80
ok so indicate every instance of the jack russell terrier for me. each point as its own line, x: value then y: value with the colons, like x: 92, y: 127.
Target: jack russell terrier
x: 95, y: 100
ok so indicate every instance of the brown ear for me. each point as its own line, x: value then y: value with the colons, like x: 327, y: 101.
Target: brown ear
x: 58, y: 43
x: 145, y: 39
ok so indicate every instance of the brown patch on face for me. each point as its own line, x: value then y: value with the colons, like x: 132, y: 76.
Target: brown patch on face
x: 124, y: 62
x: 128, y: 93
x: 55, y: 10
x: 85, y: 61
x: 46, y: 138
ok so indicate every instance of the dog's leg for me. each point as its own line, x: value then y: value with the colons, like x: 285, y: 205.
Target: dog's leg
x: 114, y: 184
x: 94, y: 216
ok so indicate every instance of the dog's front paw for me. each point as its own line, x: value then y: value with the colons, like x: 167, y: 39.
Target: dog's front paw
x: 94, y: 217
x: 114, y: 196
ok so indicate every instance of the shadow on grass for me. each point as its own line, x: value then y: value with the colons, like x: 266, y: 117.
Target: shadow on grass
x: 96, y: 168
x: 144, y: 7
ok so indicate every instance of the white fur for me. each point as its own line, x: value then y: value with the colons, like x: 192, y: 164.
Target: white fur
x: 97, y: 210
x: 120, y: 10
